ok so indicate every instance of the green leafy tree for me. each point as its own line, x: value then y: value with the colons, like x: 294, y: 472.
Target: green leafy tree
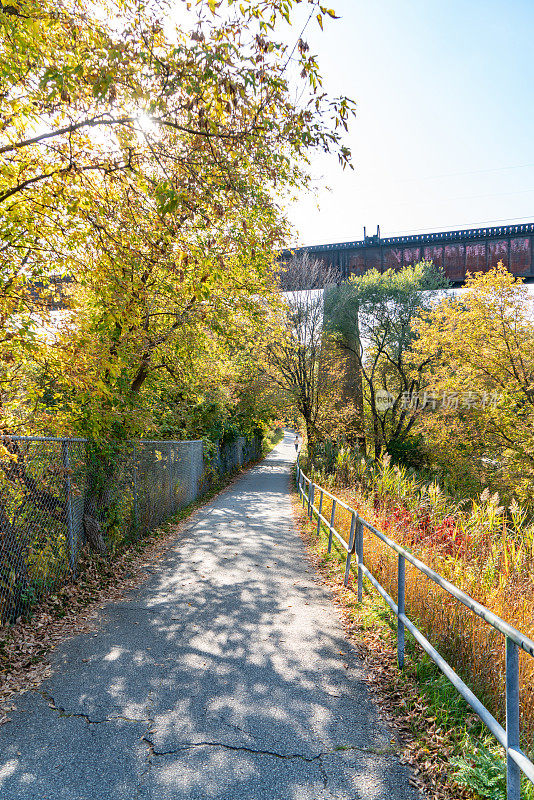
x: 372, y: 317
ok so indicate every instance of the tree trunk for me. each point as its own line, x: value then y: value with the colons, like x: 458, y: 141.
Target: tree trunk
x: 93, y: 528
x: 311, y: 436
x: 377, y: 441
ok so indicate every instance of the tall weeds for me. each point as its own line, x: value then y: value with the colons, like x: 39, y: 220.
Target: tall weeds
x: 482, y: 547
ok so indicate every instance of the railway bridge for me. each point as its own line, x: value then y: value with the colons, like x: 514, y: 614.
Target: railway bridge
x: 456, y: 252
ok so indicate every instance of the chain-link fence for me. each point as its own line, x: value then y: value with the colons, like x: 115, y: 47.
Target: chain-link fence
x: 60, y: 495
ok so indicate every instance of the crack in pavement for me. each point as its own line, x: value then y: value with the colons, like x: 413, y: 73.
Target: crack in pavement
x: 376, y: 751
x: 80, y: 715
x: 145, y: 775
x: 217, y: 720
x: 236, y: 748
x: 324, y: 773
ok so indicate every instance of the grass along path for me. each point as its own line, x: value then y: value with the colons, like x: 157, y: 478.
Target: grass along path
x: 453, y: 755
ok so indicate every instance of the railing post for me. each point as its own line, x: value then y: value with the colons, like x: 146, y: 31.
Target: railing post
x: 68, y: 506
x: 351, y: 548
x: 359, y: 550
x: 513, y: 774
x: 303, y: 491
x: 320, y: 512
x: 310, y: 500
x: 401, y: 607
x: 332, y: 519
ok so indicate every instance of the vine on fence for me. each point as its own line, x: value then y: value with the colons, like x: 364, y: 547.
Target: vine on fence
x: 58, y: 497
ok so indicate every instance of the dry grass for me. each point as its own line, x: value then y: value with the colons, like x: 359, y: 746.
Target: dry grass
x: 423, y: 742
x: 493, y: 565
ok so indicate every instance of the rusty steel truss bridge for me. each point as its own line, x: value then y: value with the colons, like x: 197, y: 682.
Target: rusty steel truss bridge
x: 456, y: 252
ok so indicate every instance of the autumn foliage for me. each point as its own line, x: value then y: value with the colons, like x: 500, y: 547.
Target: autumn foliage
x: 461, y: 499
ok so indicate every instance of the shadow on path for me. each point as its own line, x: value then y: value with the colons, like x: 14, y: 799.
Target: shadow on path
x: 226, y: 676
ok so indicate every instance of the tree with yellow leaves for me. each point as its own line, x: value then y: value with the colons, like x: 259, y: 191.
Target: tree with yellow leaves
x: 146, y: 163
x: 481, y: 348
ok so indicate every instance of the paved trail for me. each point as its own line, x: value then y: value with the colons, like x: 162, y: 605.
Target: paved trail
x: 226, y: 675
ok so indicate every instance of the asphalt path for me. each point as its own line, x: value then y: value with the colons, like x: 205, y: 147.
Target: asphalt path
x: 226, y: 675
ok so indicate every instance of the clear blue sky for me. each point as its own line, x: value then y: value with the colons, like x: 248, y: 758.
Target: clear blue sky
x: 444, y: 134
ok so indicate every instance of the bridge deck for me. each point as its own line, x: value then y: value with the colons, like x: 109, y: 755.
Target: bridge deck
x: 457, y: 252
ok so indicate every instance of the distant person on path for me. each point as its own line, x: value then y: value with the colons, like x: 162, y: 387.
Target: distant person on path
x: 297, y: 443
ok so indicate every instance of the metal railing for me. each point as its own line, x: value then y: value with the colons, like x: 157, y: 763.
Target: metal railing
x: 425, y: 238
x: 517, y: 761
